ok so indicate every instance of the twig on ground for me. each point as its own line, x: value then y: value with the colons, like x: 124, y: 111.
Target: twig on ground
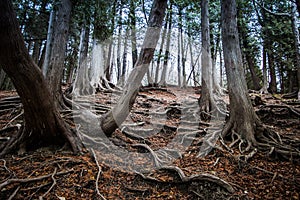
x: 4, y: 165
x: 53, y: 184
x: 14, y: 194
x: 197, y: 177
x: 27, y: 180
x: 157, y: 161
x: 98, y: 175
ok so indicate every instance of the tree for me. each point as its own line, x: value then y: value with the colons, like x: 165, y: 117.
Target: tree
x: 243, y: 119
x: 60, y: 38
x: 118, y: 114
x: 43, y: 124
x: 206, y: 101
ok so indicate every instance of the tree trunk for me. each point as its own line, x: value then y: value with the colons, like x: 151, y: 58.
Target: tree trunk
x: 58, y: 51
x: 111, y: 121
x: 206, y: 101
x: 242, y: 119
x: 167, y: 52
x: 182, y: 49
x: 82, y: 81
x: 297, y: 42
x: 133, y: 32
x: 273, y: 79
x: 124, y: 59
x: 49, y: 43
x: 163, y: 37
x: 40, y: 129
x: 119, y: 65
x: 264, y: 89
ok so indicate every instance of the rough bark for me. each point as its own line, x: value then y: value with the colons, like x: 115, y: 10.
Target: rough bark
x: 118, y: 114
x: 39, y: 128
x: 206, y: 101
x: 243, y: 119
x: 297, y: 42
x: 60, y: 38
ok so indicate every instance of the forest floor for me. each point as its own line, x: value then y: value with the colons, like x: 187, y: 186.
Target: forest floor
x: 157, y: 117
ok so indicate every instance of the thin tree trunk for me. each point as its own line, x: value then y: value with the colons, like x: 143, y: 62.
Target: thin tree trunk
x: 124, y: 59
x: 163, y: 37
x: 167, y: 52
x: 118, y: 114
x: 178, y: 60
x: 119, y: 43
x: 264, y: 89
x: 49, y: 43
x: 297, y: 42
x: 133, y: 32
x: 273, y: 79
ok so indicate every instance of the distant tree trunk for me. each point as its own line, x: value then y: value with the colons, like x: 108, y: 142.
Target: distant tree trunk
x: 167, y: 52
x: 178, y: 60
x: 36, y: 51
x: 82, y: 81
x: 163, y: 37
x: 264, y: 89
x: 215, y: 83
x: 297, y: 41
x: 182, y: 57
x: 124, y: 59
x: 49, y: 43
x: 119, y: 65
x: 111, y: 121
x: 273, y: 79
x: 133, y: 31
x: 43, y: 124
x: 250, y: 60
x: 58, y: 51
x: 243, y: 119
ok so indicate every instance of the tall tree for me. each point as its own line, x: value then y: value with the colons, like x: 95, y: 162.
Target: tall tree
x: 243, y: 119
x: 39, y: 128
x: 118, y: 114
x: 206, y: 101
x: 58, y: 51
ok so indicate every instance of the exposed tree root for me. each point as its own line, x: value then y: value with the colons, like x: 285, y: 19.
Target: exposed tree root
x: 263, y: 138
x: 193, y: 178
x: 27, y: 180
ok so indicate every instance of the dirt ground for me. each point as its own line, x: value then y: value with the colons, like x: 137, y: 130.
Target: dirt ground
x: 98, y: 173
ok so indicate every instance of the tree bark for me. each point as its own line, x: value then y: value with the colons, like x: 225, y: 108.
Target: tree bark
x: 49, y: 44
x: 43, y: 124
x: 297, y: 42
x: 167, y: 52
x: 58, y: 51
x: 206, y: 101
x: 82, y: 81
x: 243, y: 119
x: 111, y: 121
x: 133, y: 32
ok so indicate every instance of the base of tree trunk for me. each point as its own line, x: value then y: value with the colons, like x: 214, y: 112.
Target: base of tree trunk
x: 261, y: 138
x: 26, y: 140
